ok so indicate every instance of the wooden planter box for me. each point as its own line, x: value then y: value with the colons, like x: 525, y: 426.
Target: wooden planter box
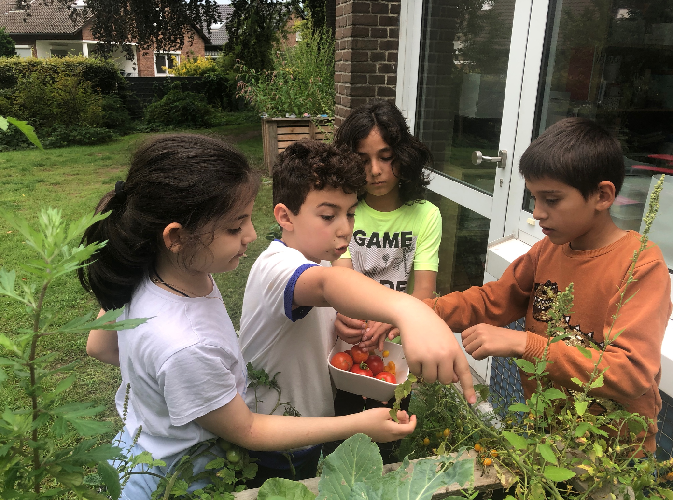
x: 279, y: 133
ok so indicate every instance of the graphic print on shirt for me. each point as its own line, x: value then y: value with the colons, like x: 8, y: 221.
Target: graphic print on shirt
x: 543, y: 298
x: 385, y: 257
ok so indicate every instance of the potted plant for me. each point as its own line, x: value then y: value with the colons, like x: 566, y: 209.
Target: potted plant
x: 296, y: 97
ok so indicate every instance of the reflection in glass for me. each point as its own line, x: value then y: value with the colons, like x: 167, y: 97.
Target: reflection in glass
x: 612, y: 61
x: 462, y: 252
x: 464, y: 54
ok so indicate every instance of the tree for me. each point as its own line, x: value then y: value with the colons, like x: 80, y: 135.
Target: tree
x: 161, y: 24
x: 6, y: 44
x: 254, y: 27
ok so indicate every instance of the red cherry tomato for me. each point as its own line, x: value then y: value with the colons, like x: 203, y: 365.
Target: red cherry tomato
x: 362, y: 369
x: 342, y: 361
x: 375, y: 364
x: 359, y: 354
x: 387, y: 377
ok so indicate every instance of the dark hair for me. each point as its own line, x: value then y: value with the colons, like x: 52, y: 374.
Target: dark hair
x: 410, y: 154
x: 578, y: 152
x: 194, y: 180
x: 309, y: 164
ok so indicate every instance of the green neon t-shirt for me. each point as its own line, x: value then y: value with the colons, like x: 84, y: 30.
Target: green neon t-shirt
x: 386, y: 246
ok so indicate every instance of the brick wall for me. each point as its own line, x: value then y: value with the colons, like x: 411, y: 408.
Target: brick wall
x: 194, y: 47
x: 367, y: 39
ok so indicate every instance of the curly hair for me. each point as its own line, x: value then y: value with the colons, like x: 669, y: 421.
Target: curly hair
x: 308, y: 164
x: 410, y: 154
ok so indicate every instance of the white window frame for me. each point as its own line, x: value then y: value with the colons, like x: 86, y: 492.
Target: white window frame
x: 164, y: 54
x: 23, y: 47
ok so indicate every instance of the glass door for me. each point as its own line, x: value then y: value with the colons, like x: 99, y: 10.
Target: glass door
x: 611, y: 61
x: 471, y: 61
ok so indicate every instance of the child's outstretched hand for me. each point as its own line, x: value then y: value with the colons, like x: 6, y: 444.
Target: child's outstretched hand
x: 379, y: 426
x: 432, y: 350
x: 484, y: 340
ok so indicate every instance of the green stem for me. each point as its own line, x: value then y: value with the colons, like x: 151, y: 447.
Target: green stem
x: 31, y: 369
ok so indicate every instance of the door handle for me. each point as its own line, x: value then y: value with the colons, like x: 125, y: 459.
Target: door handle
x: 477, y: 158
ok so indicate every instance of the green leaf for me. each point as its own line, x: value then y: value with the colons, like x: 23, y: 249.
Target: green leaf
x: 218, y: 463
x: 585, y: 352
x: 554, y: 393
x: 519, y: 407
x: 582, y: 428
x: 110, y: 478
x: 557, y: 474
x: 540, y: 367
x: 355, y: 460
x: 547, y: 453
x: 577, y: 381
x: 90, y: 427
x: 515, y: 440
x: 3, y: 123
x: 598, y: 382
x: 526, y: 366
x: 27, y: 130
x: 60, y: 387
x: 581, y: 407
x: 284, y: 488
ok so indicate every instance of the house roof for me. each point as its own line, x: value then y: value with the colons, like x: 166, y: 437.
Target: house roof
x: 218, y: 32
x: 40, y: 18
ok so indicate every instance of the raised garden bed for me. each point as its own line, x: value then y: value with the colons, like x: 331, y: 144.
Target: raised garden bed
x: 279, y: 133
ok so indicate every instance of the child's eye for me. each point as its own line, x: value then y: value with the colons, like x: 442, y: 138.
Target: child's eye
x: 235, y: 231
x: 387, y: 158
x: 328, y: 218
x: 551, y: 201
x: 350, y: 216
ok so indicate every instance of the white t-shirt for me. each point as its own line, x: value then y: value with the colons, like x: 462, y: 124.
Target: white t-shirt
x: 294, y: 343
x: 183, y: 363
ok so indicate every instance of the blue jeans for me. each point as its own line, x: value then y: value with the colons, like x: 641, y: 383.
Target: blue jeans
x: 141, y: 486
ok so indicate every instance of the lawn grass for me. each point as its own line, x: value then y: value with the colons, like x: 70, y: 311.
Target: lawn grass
x: 73, y: 180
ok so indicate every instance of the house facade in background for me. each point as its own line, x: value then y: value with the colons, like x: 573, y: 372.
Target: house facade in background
x: 492, y: 75
x: 49, y: 32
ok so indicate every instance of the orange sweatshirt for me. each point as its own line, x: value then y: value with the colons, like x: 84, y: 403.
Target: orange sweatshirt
x: 634, y: 359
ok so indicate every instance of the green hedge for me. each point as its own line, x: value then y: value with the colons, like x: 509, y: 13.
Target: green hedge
x: 103, y: 75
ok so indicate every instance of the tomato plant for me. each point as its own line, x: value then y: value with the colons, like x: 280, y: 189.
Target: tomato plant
x: 342, y: 361
x: 375, y: 364
x: 359, y: 354
x: 387, y: 377
x: 362, y: 369
x: 233, y: 455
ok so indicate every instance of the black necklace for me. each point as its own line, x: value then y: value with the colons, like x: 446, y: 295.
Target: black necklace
x: 159, y: 280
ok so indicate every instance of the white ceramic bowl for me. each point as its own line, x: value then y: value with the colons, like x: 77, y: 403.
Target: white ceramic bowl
x: 368, y: 386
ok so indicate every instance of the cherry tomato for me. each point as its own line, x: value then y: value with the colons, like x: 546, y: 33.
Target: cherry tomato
x: 446, y: 432
x: 362, y: 369
x: 375, y: 364
x: 359, y: 354
x: 390, y: 367
x: 224, y: 445
x: 426, y: 441
x: 494, y: 453
x: 387, y: 377
x: 477, y: 447
x: 385, y: 353
x: 342, y: 361
x: 233, y: 455
x: 487, y: 462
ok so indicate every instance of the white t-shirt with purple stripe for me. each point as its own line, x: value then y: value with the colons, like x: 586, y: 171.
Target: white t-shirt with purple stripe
x: 294, y: 343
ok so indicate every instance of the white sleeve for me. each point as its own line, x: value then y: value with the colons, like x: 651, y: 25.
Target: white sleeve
x: 197, y: 380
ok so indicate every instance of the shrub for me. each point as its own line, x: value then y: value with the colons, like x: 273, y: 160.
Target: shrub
x: 180, y: 109
x: 61, y: 136
x: 217, y: 80
x: 115, y: 113
x: 302, y: 80
x: 7, y: 48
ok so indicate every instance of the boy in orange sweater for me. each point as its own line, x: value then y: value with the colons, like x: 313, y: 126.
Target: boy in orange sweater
x: 574, y: 170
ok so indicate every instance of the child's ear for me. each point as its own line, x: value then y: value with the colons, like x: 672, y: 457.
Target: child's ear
x: 172, y: 236
x: 606, y: 195
x: 284, y: 217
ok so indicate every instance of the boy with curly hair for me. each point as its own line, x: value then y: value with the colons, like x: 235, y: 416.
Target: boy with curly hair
x: 287, y: 322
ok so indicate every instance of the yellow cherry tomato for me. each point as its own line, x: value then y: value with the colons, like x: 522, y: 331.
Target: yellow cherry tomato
x: 487, y: 462
x: 438, y: 434
x: 426, y: 441
x: 446, y: 433
x: 494, y: 453
x: 669, y: 476
x: 477, y: 447
x: 385, y: 353
x: 390, y: 367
